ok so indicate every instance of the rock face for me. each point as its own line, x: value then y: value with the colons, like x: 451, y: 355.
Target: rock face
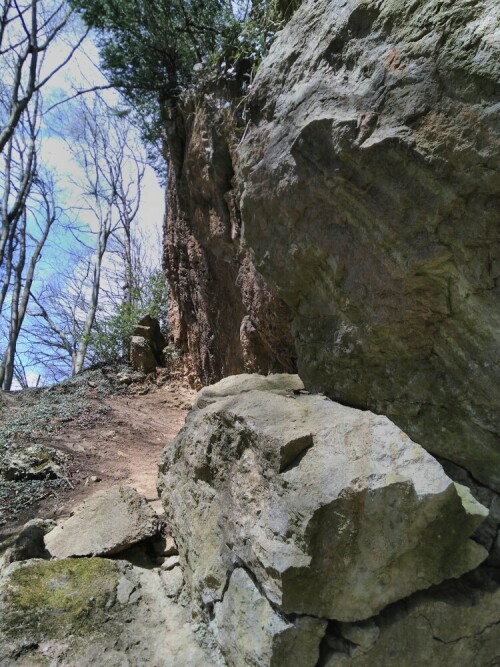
x: 290, y: 510
x: 222, y: 314
x: 106, y: 523
x: 371, y: 198
x: 456, y: 624
x: 251, y: 633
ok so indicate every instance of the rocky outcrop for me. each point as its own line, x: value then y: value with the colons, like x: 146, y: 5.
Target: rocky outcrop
x: 454, y: 624
x: 146, y: 346
x: 221, y: 314
x: 60, y: 605
x: 296, y: 516
x: 371, y: 198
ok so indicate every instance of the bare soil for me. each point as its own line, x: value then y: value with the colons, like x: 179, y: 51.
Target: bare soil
x: 121, y: 445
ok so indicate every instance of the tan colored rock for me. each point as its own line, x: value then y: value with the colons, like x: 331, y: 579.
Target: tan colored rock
x: 108, y: 522
x: 221, y: 312
x: 142, y: 356
x: 170, y: 548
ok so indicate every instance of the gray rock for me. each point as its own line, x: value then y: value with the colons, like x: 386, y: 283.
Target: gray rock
x: 456, y: 623
x: 94, y: 611
x: 124, y: 590
x: 279, y: 383
x: 172, y: 581
x: 371, y: 173
x: 32, y: 462
x: 170, y: 562
x: 252, y: 634
x: 336, y: 512
x: 108, y: 522
x: 489, y: 531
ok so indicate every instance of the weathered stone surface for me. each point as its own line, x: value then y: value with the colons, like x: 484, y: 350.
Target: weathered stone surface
x: 32, y: 462
x: 488, y: 533
x: 172, y: 581
x: 146, y: 347
x: 335, y: 511
x: 221, y: 312
x: 149, y: 328
x: 456, y: 623
x: 279, y: 383
x: 108, y: 522
x: 94, y: 611
x: 371, y: 185
x: 142, y: 356
x: 252, y: 634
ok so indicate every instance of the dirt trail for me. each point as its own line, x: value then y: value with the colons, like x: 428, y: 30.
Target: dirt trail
x: 124, y: 447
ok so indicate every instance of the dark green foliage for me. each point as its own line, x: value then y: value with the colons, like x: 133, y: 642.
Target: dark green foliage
x: 152, y: 47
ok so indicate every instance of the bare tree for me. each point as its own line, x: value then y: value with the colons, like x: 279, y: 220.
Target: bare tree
x: 112, y: 169
x: 29, y: 30
x: 31, y: 234
x: 17, y: 171
x: 57, y: 318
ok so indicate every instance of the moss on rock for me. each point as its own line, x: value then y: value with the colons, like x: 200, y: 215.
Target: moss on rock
x: 56, y: 599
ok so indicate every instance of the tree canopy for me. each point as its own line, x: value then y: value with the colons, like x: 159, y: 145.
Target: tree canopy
x: 153, y: 48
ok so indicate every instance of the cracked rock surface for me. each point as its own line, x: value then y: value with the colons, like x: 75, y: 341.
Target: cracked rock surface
x: 287, y: 506
x: 370, y: 180
x: 457, y: 623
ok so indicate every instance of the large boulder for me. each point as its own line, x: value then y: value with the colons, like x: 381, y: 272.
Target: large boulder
x: 371, y: 184
x: 331, y: 512
x: 107, y: 523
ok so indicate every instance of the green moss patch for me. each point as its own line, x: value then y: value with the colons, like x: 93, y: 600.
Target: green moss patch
x: 56, y: 599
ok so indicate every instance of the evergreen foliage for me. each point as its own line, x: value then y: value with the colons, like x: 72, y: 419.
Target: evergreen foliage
x: 150, y: 50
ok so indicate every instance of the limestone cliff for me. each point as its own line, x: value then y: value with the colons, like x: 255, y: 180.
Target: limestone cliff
x: 371, y: 203
x: 222, y: 314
